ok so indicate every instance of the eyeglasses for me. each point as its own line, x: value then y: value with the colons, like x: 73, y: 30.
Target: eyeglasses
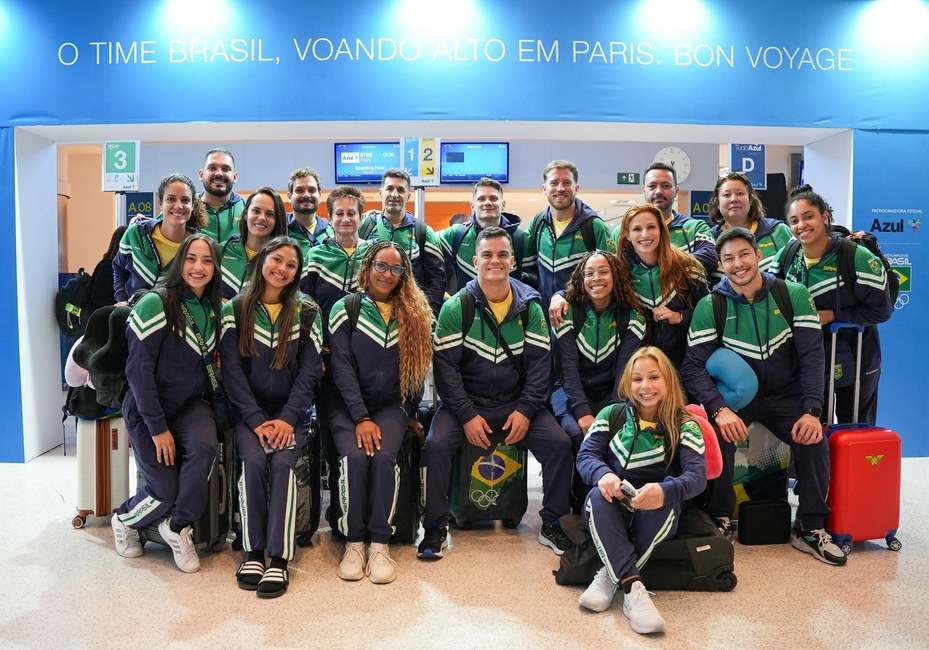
x: 599, y: 273
x: 383, y: 267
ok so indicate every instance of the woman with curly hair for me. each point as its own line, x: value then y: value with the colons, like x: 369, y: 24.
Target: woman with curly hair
x: 736, y: 204
x: 149, y: 246
x: 381, y: 347
x: 668, y: 282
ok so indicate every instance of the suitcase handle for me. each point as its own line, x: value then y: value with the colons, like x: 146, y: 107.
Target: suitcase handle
x: 834, y: 328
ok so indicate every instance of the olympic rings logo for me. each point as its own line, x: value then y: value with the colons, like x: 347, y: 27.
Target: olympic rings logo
x: 484, y: 499
x: 902, y: 301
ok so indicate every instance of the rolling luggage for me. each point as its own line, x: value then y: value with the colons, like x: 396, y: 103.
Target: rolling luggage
x: 864, y: 486
x: 103, y: 467
x: 211, y: 530
x: 489, y: 484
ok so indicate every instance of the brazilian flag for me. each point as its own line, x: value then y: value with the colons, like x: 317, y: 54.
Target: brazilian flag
x: 490, y: 472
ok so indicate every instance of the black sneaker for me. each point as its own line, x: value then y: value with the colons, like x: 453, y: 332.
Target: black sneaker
x: 819, y: 544
x: 435, y: 540
x: 553, y: 537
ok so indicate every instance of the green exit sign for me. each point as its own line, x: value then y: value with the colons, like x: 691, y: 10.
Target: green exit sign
x: 628, y: 178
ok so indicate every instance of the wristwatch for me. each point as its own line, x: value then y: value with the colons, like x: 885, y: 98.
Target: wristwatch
x: 815, y: 411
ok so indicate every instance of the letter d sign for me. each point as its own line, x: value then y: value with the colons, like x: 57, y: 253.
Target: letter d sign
x: 748, y: 165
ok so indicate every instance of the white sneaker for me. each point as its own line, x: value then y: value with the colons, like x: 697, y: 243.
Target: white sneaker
x: 182, y: 545
x: 381, y: 568
x: 599, y: 595
x: 640, y: 610
x: 127, y: 539
x: 352, y: 566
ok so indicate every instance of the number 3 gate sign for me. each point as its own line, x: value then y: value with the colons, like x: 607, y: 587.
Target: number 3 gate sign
x: 120, y: 165
x: 421, y: 160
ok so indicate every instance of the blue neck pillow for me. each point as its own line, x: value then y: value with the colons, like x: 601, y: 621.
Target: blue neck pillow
x: 735, y: 379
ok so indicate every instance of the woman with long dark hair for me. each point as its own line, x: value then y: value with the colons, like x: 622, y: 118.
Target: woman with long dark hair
x: 379, y: 364
x: 667, y: 281
x: 270, y: 347
x: 171, y: 334
x: 101, y: 286
x: 148, y: 247
x: 263, y: 219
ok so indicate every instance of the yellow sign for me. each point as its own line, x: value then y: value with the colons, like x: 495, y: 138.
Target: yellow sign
x: 428, y: 154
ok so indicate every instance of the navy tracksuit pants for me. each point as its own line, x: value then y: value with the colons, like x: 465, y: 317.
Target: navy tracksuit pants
x: 812, y: 461
x: 268, y: 492
x: 546, y: 440
x: 180, y: 490
x: 368, y: 485
x: 625, y: 540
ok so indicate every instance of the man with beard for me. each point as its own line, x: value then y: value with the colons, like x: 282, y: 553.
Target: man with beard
x: 223, y: 206
x: 458, y: 241
x: 659, y: 187
x: 774, y: 327
x: 564, y: 232
x: 303, y: 224
x: 419, y: 241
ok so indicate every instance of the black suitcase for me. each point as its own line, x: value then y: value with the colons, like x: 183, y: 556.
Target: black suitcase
x: 212, y: 529
x: 309, y: 491
x: 698, y: 559
x: 489, y: 484
x: 765, y: 521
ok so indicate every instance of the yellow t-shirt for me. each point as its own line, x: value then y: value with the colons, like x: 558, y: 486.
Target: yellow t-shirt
x: 559, y: 226
x: 350, y: 251
x: 166, y: 248
x: 753, y: 227
x: 646, y: 424
x: 274, y: 310
x: 250, y: 254
x: 811, y: 261
x: 502, y: 308
x: 385, y: 308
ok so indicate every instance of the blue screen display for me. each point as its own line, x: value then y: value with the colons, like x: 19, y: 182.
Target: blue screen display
x: 468, y: 162
x: 365, y: 162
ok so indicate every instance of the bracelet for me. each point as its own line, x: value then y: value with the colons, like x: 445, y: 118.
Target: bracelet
x: 719, y: 410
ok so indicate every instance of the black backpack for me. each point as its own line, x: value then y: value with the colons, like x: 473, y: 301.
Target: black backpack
x: 781, y: 299
x: 73, y: 305
x: 847, y: 244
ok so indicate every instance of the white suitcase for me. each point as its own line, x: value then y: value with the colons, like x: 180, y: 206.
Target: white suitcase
x: 102, y: 468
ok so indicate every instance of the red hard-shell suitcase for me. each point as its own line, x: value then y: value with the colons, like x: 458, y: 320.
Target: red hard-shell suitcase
x: 864, y: 487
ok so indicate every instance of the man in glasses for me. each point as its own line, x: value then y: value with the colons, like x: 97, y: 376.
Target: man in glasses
x: 419, y: 241
x: 492, y: 365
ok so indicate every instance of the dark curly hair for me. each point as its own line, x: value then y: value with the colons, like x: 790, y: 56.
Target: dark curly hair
x: 623, y: 293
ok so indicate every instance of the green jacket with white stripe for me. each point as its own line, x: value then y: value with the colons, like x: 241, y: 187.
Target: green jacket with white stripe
x: 330, y: 273
x: 787, y: 363
x: 472, y: 370
x: 223, y: 222
x: 235, y: 266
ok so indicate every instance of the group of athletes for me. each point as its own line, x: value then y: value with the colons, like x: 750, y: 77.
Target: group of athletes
x: 579, y: 343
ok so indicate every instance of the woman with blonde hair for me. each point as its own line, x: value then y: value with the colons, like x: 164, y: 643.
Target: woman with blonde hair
x: 644, y: 459
x: 668, y: 282
x: 381, y: 347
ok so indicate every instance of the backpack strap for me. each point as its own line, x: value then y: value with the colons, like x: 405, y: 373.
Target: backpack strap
x: 467, y: 311
x: 782, y: 299
x: 353, y: 309
x: 308, y: 311
x: 578, y: 318
x: 587, y: 232
x: 519, y: 237
x: 787, y: 258
x: 457, y: 240
x: 720, y: 310
x: 419, y: 233
x: 617, y: 417
x: 846, y: 253
x: 367, y: 227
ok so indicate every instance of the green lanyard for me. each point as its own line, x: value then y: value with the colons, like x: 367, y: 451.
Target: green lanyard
x: 204, y: 350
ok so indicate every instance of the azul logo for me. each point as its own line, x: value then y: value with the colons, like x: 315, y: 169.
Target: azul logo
x: 887, y: 226
x: 875, y: 459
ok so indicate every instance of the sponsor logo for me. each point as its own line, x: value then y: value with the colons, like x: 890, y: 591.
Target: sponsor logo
x: 875, y: 459
x: 887, y: 226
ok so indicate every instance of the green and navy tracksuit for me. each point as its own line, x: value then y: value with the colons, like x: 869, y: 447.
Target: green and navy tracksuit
x: 689, y: 234
x: 868, y: 304
x: 475, y: 376
x: 266, y: 482
x: 556, y: 258
x: 366, y: 371
x: 428, y: 264
x: 137, y: 264
x: 591, y: 361
x: 789, y: 364
x: 770, y: 234
x: 307, y: 239
x: 460, y: 270
x: 168, y: 385
x: 672, y: 339
x: 223, y: 222
x: 637, y: 452
x: 234, y: 266
x: 330, y: 273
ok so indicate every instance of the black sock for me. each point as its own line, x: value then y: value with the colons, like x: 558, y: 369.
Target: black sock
x: 627, y: 584
x: 176, y: 527
x: 256, y: 556
x: 278, y: 563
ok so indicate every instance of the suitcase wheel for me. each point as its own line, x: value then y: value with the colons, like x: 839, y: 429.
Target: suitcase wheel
x: 510, y: 523
x: 79, y: 521
x: 727, y: 581
x: 893, y: 543
x: 846, y: 548
x: 304, y: 540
